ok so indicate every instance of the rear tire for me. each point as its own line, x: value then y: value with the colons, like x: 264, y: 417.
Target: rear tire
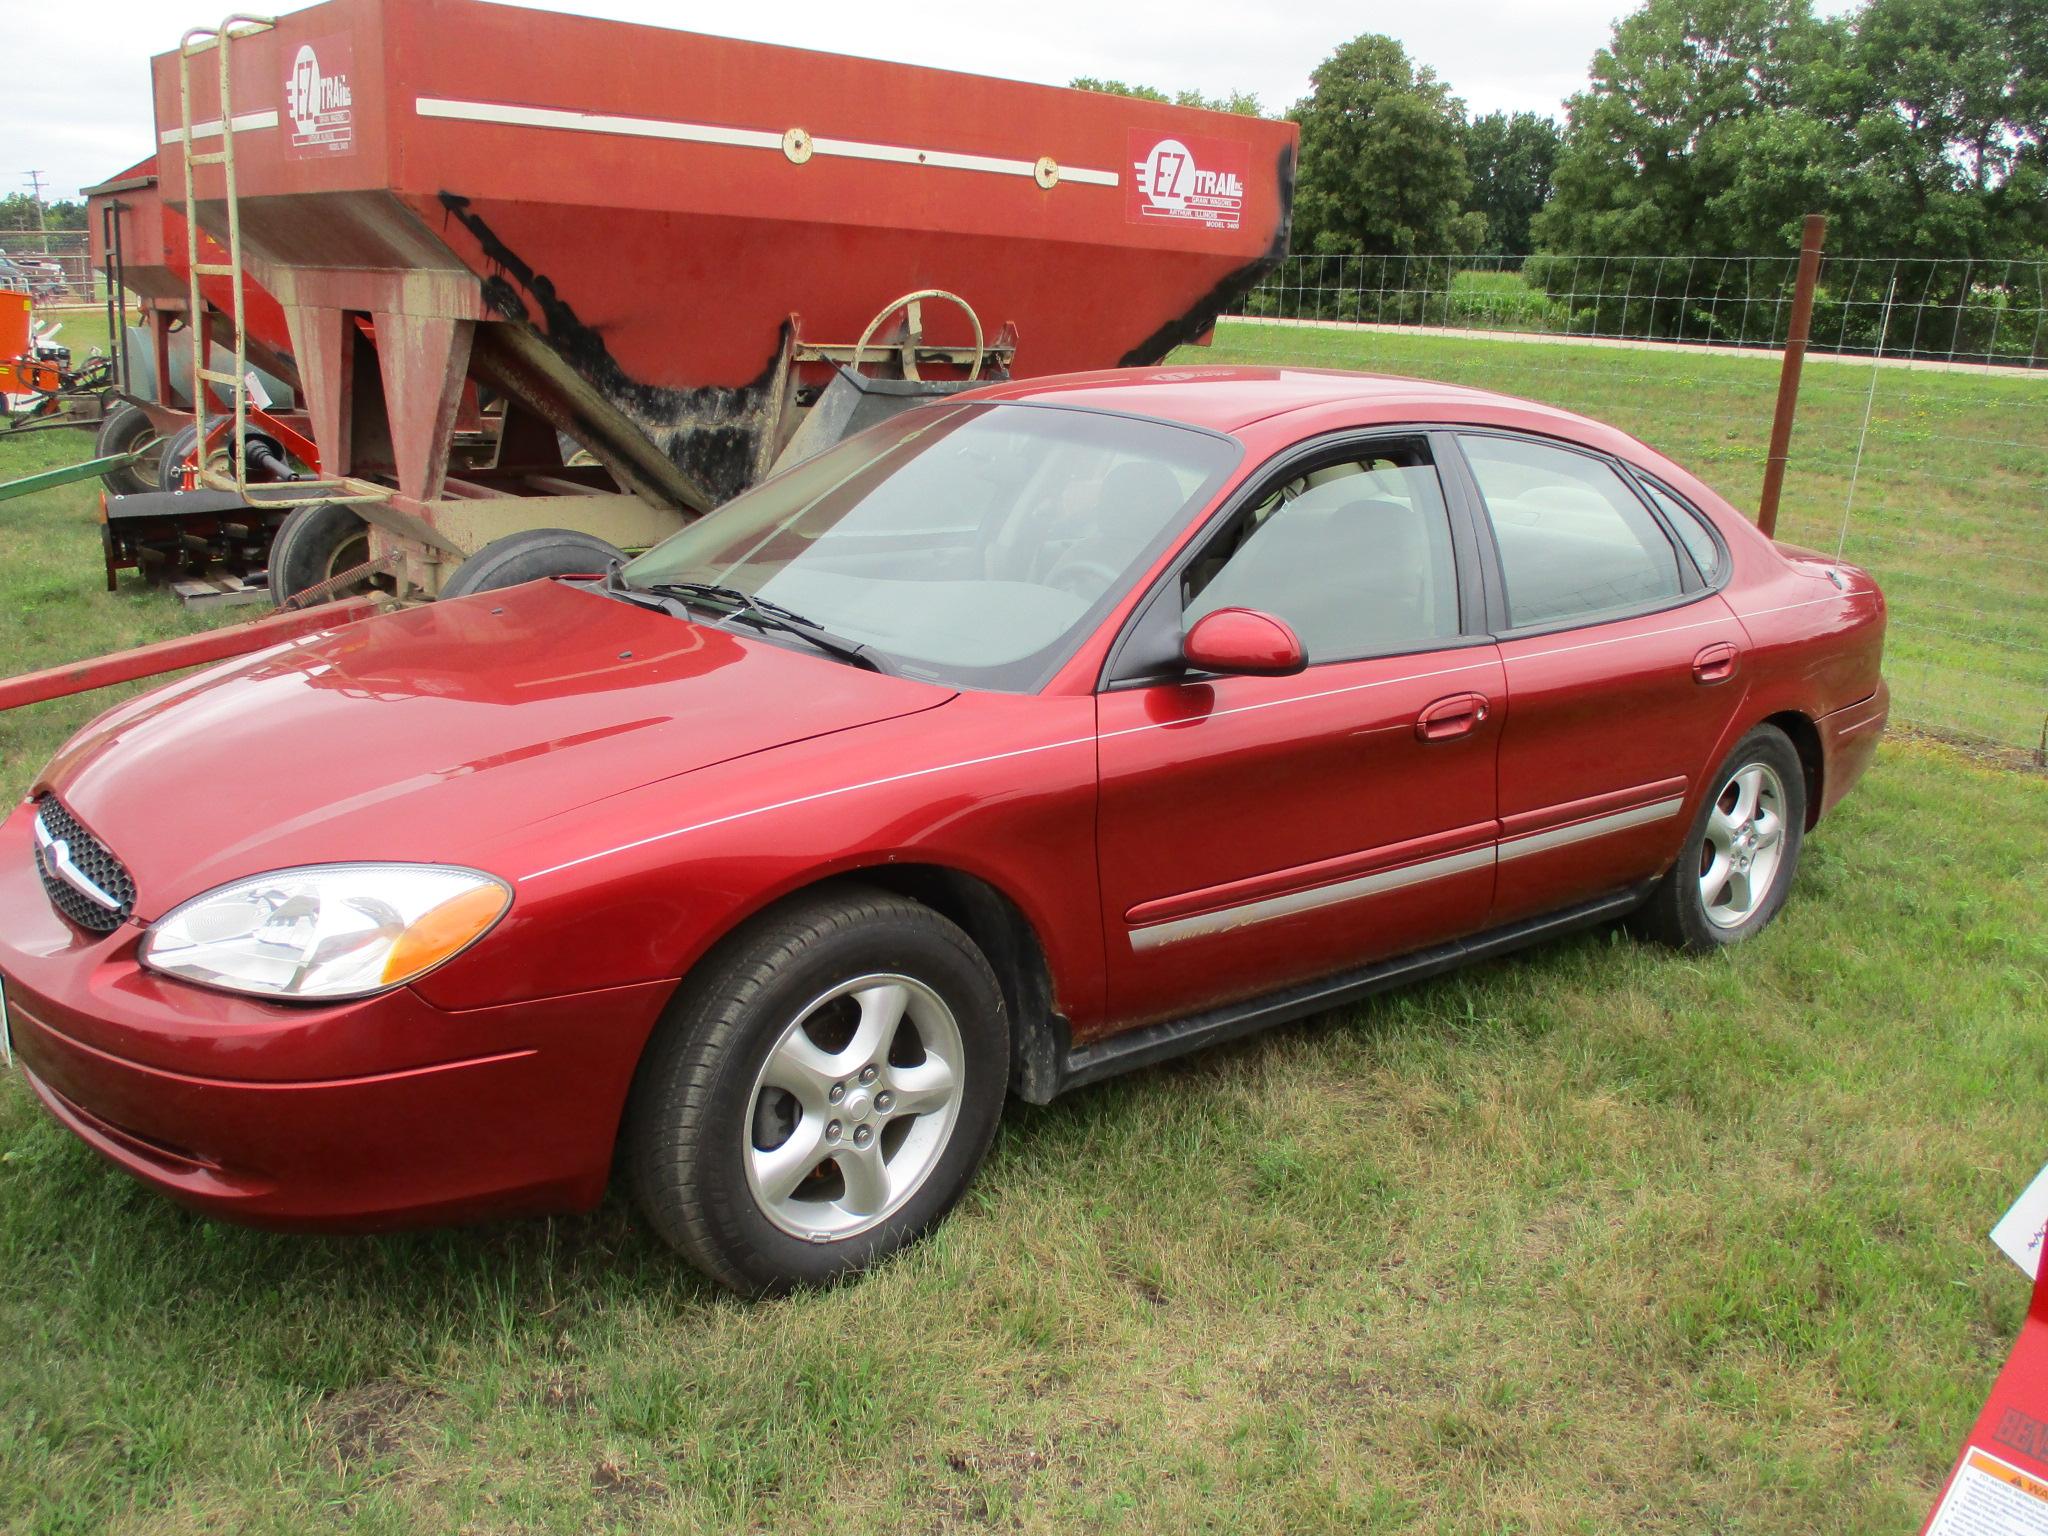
x: 532, y: 555
x: 1740, y: 856
x: 125, y: 429
x: 817, y: 995
x: 315, y: 544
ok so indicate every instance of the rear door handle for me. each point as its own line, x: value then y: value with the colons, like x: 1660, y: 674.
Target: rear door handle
x: 1715, y: 663
x: 1447, y: 719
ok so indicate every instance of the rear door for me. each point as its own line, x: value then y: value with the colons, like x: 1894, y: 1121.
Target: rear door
x: 1623, y: 670
x: 1258, y: 831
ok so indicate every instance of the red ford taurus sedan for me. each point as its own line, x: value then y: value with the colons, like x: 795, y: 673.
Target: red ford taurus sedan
x: 1029, y: 737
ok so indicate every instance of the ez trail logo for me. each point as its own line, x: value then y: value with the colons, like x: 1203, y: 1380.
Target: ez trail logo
x: 1194, y: 181
x: 319, y: 101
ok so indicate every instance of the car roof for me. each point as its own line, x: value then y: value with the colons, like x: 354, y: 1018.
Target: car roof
x: 1230, y: 398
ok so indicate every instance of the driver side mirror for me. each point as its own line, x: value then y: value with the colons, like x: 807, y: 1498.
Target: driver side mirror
x: 1243, y: 641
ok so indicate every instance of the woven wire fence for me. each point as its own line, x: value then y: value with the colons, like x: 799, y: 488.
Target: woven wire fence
x: 1920, y: 449
x: 1963, y: 310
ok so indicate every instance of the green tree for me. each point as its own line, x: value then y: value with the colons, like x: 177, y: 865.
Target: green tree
x: 1945, y: 107
x: 1510, y: 159
x: 1711, y: 126
x: 1690, y: 136
x: 18, y: 212
x: 1243, y: 103
x: 1382, y: 167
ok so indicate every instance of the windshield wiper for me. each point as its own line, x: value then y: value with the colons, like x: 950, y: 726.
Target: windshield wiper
x: 767, y: 615
x: 615, y: 585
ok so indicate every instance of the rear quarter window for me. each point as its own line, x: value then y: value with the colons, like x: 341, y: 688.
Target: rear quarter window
x: 1692, y: 528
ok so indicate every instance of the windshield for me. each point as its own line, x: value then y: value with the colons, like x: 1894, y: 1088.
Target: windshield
x: 971, y: 544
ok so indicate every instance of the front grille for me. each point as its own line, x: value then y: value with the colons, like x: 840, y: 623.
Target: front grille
x: 89, y: 857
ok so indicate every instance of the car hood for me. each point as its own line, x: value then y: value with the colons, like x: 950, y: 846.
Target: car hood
x: 426, y: 733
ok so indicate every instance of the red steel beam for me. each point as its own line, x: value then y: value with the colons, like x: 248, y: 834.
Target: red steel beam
x: 186, y: 651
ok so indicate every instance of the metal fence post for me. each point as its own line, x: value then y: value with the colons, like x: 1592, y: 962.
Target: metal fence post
x: 1788, y: 377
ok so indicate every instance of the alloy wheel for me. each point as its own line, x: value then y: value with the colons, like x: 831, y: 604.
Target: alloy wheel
x: 1744, y: 848
x: 853, y: 1107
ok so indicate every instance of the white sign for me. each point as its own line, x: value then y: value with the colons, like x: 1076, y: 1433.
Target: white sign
x: 318, y: 99
x: 1990, y: 1497
x: 2021, y: 1231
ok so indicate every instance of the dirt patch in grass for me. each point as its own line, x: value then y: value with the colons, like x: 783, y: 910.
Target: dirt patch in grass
x: 364, y: 1424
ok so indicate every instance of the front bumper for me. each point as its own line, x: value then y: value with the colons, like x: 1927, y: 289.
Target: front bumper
x: 381, y: 1112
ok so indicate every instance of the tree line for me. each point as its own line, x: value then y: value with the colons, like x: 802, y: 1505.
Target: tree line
x: 1920, y: 127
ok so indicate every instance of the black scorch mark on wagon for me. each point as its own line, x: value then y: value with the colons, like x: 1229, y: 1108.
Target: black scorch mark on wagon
x: 1198, y: 319
x: 712, y: 434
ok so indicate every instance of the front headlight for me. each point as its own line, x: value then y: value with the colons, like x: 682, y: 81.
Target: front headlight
x: 327, y: 930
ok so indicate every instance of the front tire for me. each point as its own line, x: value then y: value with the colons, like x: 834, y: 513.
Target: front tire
x: 820, y: 1092
x: 1736, y: 868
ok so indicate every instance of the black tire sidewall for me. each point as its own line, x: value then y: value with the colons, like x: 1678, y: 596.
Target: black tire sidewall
x: 302, y: 554
x: 534, y: 554
x: 910, y: 941
x: 170, y: 461
x: 125, y: 426
x: 1769, y: 745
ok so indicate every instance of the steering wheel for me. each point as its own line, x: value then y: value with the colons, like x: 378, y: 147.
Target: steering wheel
x: 905, y: 347
x: 1063, y: 578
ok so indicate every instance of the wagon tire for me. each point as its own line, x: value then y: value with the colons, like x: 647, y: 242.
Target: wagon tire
x: 533, y: 554
x: 170, y: 459
x: 1740, y: 854
x: 314, y: 544
x: 126, y: 429
x: 820, y: 1091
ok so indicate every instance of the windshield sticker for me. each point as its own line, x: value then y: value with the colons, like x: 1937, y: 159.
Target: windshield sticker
x: 319, y: 101
x: 1187, y: 180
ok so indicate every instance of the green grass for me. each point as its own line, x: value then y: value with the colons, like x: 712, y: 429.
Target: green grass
x: 1594, y: 1239
x: 1597, y: 1238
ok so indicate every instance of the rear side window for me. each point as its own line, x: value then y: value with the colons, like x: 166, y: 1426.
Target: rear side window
x: 1575, y: 542
x: 1690, y: 524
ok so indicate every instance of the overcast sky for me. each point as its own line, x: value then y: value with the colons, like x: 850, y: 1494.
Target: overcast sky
x: 76, y: 105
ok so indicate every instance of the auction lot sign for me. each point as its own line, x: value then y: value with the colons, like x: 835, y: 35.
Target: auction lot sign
x: 1999, y: 1486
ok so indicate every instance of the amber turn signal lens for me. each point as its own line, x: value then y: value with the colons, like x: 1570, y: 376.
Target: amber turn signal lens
x: 439, y: 933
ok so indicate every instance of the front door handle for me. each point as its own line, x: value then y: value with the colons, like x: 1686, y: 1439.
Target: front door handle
x: 1715, y: 663
x: 1447, y: 719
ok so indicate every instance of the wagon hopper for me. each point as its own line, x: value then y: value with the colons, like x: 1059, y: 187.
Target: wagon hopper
x: 667, y: 248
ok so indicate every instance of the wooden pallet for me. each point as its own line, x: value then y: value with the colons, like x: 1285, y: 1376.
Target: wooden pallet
x: 221, y: 591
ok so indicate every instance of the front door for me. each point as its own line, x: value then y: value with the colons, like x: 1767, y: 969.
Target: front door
x: 1257, y: 831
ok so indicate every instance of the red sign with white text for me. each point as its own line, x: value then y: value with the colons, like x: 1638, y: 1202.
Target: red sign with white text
x: 1999, y: 1485
x: 1186, y: 180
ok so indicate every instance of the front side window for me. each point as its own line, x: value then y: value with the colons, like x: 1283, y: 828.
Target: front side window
x: 1355, y: 556
x: 973, y: 544
x: 1575, y: 542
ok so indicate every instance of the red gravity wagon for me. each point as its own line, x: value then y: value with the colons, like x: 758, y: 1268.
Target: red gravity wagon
x: 661, y: 265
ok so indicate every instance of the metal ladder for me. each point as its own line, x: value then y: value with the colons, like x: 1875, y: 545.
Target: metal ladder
x: 288, y: 493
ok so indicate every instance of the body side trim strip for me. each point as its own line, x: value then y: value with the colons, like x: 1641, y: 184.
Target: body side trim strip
x: 1157, y: 934
x: 1268, y: 909
x: 1598, y: 826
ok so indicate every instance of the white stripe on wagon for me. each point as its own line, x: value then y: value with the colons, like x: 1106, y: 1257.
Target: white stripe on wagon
x: 244, y: 122
x: 743, y: 138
